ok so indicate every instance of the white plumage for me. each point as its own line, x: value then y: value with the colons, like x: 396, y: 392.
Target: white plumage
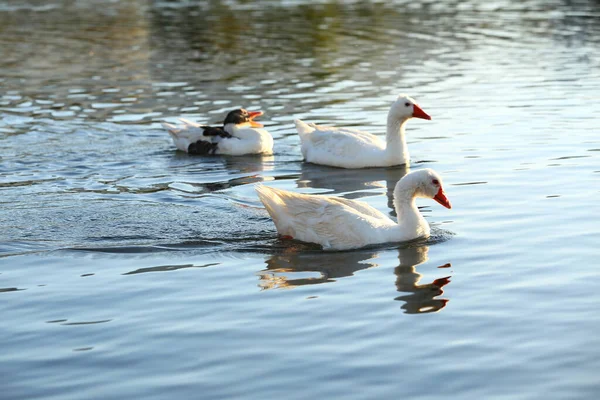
x: 240, y: 135
x: 340, y: 224
x: 185, y: 134
x: 351, y: 148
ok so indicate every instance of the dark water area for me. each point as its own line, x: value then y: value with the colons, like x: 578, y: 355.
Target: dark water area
x: 129, y: 269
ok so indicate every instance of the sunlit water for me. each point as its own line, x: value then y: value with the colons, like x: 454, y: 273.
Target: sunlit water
x: 130, y: 270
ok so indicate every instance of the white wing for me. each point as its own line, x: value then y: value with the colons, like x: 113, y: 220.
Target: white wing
x: 362, y: 207
x: 346, y: 133
x: 340, y: 147
x: 329, y: 221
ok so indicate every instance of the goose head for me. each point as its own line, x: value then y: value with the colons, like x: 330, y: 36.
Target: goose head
x: 242, y: 118
x: 424, y: 183
x: 406, y: 107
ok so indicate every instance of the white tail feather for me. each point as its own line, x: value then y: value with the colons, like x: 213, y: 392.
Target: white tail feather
x: 273, y: 204
x: 303, y: 128
x: 173, y: 130
x: 189, y: 123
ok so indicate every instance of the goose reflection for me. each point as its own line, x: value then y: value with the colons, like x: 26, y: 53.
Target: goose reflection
x: 297, y: 268
x: 223, y: 172
x: 350, y: 181
x: 422, y: 297
x: 293, y: 269
x: 245, y: 164
x: 250, y: 163
x: 248, y: 169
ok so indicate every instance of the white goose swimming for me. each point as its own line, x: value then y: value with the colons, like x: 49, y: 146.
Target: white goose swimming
x: 351, y: 148
x: 239, y: 135
x: 341, y: 224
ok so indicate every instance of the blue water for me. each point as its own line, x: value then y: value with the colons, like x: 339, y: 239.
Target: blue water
x: 130, y: 270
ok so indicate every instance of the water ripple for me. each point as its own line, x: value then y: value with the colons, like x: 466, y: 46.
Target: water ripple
x: 93, y: 192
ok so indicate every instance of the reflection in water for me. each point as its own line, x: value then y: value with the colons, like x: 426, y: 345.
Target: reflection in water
x: 86, y: 322
x: 207, y: 174
x: 10, y: 289
x: 351, y: 181
x: 308, y: 268
x: 293, y: 269
x: 85, y: 165
x: 139, y: 62
x: 165, y: 268
x: 422, y: 297
x: 250, y: 163
x: 197, y: 163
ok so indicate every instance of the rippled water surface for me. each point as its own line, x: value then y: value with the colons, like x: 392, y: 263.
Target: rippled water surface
x: 131, y: 270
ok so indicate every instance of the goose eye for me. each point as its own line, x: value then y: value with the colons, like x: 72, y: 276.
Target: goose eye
x: 407, y: 104
x: 435, y: 182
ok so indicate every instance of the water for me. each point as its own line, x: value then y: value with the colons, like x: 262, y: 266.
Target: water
x: 130, y: 270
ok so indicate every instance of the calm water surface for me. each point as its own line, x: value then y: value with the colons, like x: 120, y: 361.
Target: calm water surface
x: 130, y: 270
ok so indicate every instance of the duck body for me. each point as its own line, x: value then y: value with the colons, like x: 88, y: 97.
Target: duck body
x: 239, y: 135
x: 345, y: 148
x: 195, y: 138
x: 245, y: 140
x: 332, y: 222
x: 351, y: 148
x: 341, y: 224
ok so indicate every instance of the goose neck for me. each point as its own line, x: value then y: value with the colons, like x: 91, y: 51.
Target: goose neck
x: 409, y: 217
x: 396, y: 148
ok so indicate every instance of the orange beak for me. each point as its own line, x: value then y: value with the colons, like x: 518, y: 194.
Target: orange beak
x: 419, y: 113
x: 252, y: 115
x: 441, y: 198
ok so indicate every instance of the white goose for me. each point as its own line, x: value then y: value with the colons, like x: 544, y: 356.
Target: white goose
x: 239, y: 135
x: 351, y: 148
x: 342, y: 224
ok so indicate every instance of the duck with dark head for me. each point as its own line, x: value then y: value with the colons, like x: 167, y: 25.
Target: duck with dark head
x: 239, y: 135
